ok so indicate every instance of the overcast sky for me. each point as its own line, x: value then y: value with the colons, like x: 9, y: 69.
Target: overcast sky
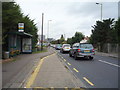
x: 67, y: 16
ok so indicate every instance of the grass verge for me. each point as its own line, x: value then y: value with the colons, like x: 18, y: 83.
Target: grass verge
x: 40, y: 51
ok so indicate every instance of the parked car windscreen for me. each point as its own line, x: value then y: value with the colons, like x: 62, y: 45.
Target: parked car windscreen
x: 59, y: 45
x: 87, y: 46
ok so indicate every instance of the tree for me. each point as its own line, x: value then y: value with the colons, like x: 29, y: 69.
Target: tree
x: 11, y: 16
x: 101, y: 32
x: 104, y: 32
x: 30, y: 28
x: 116, y: 31
x: 76, y: 38
x: 62, y: 39
x: 69, y: 40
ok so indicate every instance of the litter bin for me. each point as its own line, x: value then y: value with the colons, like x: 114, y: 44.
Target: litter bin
x: 6, y: 55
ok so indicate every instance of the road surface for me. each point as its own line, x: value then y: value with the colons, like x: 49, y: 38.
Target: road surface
x: 101, y: 72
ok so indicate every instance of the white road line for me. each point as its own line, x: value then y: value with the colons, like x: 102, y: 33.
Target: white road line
x: 109, y: 63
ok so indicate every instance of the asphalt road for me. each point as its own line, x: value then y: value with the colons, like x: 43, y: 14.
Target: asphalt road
x: 101, y: 72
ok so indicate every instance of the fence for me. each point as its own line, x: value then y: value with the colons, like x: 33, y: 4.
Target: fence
x: 108, y: 48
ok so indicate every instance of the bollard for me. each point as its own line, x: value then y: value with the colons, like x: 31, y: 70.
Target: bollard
x: 6, y: 54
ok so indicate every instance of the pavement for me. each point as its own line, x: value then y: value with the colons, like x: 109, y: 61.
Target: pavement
x: 54, y: 74
x: 115, y: 55
x: 16, y: 72
x: 51, y: 73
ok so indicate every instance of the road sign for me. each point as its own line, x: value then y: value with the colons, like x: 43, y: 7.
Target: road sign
x: 21, y: 27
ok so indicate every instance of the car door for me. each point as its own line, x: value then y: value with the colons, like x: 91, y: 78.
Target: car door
x: 75, y: 48
x: 71, y: 50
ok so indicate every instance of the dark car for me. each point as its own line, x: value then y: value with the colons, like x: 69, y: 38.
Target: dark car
x: 84, y: 50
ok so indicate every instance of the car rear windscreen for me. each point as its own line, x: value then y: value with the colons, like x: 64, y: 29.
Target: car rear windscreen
x: 66, y: 45
x: 86, y: 46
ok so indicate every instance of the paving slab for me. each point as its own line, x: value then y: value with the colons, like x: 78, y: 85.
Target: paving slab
x: 115, y: 55
x: 15, y: 73
x: 54, y: 74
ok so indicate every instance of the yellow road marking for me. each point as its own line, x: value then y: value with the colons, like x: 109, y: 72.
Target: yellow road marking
x: 88, y: 81
x: 66, y: 88
x: 52, y: 88
x: 34, y: 74
x: 78, y: 88
x: 75, y: 69
x: 38, y: 87
x: 68, y: 63
x: 64, y: 60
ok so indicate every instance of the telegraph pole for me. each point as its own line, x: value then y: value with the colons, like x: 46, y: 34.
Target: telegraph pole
x: 42, y: 32
x: 48, y: 30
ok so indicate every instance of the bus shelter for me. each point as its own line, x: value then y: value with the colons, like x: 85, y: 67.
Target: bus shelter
x: 19, y: 42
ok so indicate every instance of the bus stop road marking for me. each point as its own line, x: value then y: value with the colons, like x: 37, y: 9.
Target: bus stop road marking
x: 34, y: 74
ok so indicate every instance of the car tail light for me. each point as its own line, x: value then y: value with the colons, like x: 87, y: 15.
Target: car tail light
x: 78, y: 50
x: 93, y: 50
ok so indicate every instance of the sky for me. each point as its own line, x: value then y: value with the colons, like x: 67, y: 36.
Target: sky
x: 67, y: 17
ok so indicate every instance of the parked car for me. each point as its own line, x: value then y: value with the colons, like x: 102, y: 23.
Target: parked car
x: 65, y: 48
x: 53, y: 45
x: 58, y: 46
x: 84, y: 50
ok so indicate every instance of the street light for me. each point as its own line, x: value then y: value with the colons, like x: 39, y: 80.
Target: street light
x: 48, y: 30
x: 101, y: 9
x: 42, y: 32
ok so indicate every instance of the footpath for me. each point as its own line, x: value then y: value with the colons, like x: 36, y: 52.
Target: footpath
x: 51, y: 73
x: 54, y: 74
x: 16, y: 71
x: 114, y: 55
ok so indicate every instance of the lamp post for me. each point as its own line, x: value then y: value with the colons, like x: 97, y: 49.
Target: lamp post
x: 48, y: 30
x: 42, y: 32
x: 101, y: 9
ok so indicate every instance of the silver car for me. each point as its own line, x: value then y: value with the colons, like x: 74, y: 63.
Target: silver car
x: 65, y: 48
x: 85, y: 50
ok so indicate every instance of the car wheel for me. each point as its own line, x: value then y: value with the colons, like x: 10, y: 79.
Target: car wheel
x: 91, y: 58
x: 75, y: 56
x: 60, y: 51
x: 70, y: 54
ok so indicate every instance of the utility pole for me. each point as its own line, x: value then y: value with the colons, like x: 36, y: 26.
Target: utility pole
x: 42, y: 32
x: 64, y: 35
x: 101, y: 11
x: 48, y: 30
